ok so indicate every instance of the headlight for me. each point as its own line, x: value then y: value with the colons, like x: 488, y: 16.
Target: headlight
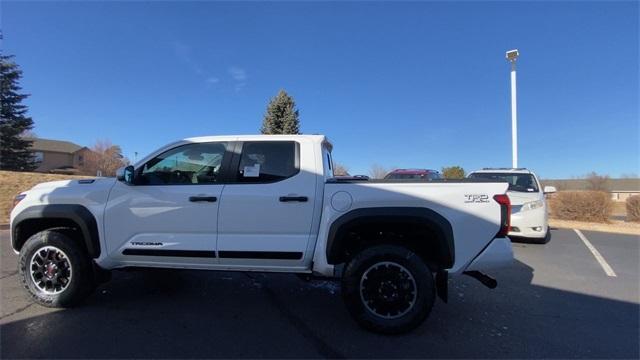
x: 532, y: 205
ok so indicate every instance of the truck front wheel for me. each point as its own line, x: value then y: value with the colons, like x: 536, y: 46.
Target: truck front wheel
x: 55, y: 269
x: 388, y: 289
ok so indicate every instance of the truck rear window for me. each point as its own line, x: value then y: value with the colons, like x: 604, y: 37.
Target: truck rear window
x: 267, y: 161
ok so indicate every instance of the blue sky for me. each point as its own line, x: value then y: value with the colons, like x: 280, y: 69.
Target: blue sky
x: 415, y: 84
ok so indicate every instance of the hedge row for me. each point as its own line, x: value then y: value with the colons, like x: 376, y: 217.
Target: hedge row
x: 633, y: 208
x: 595, y: 206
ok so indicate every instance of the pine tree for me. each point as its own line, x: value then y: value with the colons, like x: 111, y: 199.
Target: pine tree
x: 281, y: 116
x: 14, y: 149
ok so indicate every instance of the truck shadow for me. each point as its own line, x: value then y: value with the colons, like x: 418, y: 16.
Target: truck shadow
x: 203, y: 314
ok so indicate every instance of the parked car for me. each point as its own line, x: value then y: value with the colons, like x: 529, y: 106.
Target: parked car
x: 263, y: 203
x: 421, y: 174
x: 529, y: 216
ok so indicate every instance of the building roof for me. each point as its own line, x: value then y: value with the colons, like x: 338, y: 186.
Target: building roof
x: 612, y: 185
x: 54, y: 145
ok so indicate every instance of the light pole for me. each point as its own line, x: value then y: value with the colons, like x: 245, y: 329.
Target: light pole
x: 512, y: 56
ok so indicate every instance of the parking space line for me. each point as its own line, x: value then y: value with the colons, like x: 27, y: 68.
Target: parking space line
x: 605, y: 266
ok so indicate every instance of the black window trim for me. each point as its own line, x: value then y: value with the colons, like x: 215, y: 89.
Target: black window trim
x: 234, y: 176
x: 224, y: 167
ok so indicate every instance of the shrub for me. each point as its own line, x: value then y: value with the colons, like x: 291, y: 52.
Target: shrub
x: 582, y: 206
x: 453, y: 172
x: 633, y: 208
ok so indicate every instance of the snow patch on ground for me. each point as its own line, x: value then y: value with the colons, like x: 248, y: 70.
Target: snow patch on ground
x: 330, y: 286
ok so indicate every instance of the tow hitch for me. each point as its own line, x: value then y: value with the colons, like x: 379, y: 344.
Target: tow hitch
x: 485, y: 279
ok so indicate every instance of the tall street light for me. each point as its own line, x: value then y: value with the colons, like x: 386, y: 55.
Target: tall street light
x: 512, y: 56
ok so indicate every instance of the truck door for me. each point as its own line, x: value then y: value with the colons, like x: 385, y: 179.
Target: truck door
x: 170, y: 213
x: 266, y: 210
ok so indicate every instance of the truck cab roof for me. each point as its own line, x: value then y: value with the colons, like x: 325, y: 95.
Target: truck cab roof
x: 315, y: 138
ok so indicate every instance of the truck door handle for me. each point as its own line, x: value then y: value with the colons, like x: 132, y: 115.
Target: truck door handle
x: 203, y: 198
x: 294, y: 198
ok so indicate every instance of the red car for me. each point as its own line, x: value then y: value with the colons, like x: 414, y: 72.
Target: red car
x: 425, y: 174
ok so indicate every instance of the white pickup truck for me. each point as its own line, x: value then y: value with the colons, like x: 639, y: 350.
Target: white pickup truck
x: 264, y: 203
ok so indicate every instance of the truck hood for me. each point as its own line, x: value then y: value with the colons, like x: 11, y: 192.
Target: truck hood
x: 78, y: 184
x: 88, y: 192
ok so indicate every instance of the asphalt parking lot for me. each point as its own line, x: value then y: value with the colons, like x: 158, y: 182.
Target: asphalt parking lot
x: 555, y: 301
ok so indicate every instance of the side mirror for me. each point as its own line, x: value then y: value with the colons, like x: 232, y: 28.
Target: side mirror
x: 549, y: 189
x: 125, y: 174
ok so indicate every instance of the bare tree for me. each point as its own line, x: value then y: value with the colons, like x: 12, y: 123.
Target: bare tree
x: 104, y: 158
x: 340, y: 170
x: 377, y: 171
x: 597, y: 182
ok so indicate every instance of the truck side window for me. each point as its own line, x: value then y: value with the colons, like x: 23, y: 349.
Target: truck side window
x: 267, y: 161
x: 191, y: 164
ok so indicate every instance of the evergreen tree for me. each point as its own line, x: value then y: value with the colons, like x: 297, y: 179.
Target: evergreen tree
x: 14, y: 148
x: 281, y: 116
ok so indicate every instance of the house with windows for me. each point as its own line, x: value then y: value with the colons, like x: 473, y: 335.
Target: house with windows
x: 58, y: 156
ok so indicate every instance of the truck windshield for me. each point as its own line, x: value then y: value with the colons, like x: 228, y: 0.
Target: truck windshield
x: 517, y: 182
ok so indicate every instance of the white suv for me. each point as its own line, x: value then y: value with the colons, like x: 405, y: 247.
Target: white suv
x: 529, y: 217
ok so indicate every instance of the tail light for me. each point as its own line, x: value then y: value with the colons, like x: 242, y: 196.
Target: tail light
x: 505, y: 214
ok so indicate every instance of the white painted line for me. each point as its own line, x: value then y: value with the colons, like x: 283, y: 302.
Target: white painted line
x: 605, y: 266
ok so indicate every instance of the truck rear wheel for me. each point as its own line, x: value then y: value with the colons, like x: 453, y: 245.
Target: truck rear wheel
x: 388, y: 289
x: 55, y: 269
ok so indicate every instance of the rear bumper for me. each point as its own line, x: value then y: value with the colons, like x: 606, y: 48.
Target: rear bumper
x: 496, y: 255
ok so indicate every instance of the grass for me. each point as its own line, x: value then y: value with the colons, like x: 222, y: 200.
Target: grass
x: 13, y: 183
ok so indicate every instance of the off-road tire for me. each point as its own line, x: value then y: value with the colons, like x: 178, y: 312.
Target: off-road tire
x: 80, y: 284
x: 373, y: 258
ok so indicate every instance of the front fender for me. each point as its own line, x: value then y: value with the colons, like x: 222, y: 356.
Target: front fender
x: 78, y: 214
